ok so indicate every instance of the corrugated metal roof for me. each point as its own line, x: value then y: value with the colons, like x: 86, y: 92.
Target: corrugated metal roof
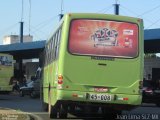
x: 152, y: 34
x: 23, y: 46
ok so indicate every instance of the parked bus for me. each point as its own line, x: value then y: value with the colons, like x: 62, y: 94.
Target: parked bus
x: 6, y: 72
x: 93, y: 61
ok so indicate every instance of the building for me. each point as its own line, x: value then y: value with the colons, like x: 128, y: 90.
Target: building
x: 152, y: 68
x: 10, y: 39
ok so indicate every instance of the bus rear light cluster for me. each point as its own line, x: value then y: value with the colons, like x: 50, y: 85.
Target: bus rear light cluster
x: 60, y: 79
x: 124, y: 99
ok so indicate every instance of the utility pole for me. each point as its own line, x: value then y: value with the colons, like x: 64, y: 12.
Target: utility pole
x: 21, y: 32
x: 116, y: 8
x: 20, y: 60
x: 60, y: 16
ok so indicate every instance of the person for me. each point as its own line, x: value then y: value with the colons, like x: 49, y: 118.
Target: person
x: 14, y: 82
x: 38, y: 73
x: 24, y: 81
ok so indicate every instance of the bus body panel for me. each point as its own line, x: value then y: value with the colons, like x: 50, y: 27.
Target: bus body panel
x: 116, y: 74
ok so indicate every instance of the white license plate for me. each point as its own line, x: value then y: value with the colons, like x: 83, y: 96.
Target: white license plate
x: 99, y: 97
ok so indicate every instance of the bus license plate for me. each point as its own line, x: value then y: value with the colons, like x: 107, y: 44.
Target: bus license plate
x: 100, y: 97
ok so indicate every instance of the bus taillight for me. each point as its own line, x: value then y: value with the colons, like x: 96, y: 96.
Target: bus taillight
x: 60, y: 79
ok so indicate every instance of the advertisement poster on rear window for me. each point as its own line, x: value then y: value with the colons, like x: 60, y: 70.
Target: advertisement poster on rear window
x: 103, y: 38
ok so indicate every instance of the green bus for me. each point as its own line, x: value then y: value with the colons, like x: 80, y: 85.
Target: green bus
x: 6, y: 72
x: 93, y: 62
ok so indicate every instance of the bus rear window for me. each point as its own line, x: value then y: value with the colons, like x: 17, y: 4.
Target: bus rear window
x: 103, y: 38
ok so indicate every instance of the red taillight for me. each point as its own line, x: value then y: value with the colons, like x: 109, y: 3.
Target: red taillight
x: 60, y: 79
x: 125, y: 98
x: 60, y: 82
x: 74, y: 95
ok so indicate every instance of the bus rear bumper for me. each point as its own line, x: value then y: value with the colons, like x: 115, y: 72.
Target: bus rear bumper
x: 90, y: 97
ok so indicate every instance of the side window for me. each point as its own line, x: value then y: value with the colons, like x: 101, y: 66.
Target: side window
x: 45, y: 52
x: 53, y: 40
x: 50, y: 49
x: 58, y: 43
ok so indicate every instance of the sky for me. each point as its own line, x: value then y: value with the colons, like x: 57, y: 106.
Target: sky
x: 40, y: 17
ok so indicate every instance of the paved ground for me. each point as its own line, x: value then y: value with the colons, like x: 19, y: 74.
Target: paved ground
x: 26, y: 104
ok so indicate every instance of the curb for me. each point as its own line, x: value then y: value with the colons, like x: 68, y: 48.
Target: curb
x: 34, y: 117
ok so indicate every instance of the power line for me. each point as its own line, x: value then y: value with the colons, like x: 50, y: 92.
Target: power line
x: 131, y: 11
x: 62, y: 6
x: 22, y: 12
x: 128, y: 10
x: 30, y: 15
x: 45, y: 22
x: 35, y: 31
x: 148, y: 11
x: 9, y: 28
x: 41, y: 26
x: 104, y: 10
x: 116, y: 1
x: 153, y: 23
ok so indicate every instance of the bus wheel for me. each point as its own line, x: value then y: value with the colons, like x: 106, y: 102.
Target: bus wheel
x: 72, y: 108
x: 94, y: 110
x: 63, y: 111
x: 52, y: 112
x: 52, y: 109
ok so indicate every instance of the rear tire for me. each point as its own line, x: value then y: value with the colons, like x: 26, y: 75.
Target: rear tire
x: 52, y: 111
x: 72, y: 108
x: 63, y: 111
